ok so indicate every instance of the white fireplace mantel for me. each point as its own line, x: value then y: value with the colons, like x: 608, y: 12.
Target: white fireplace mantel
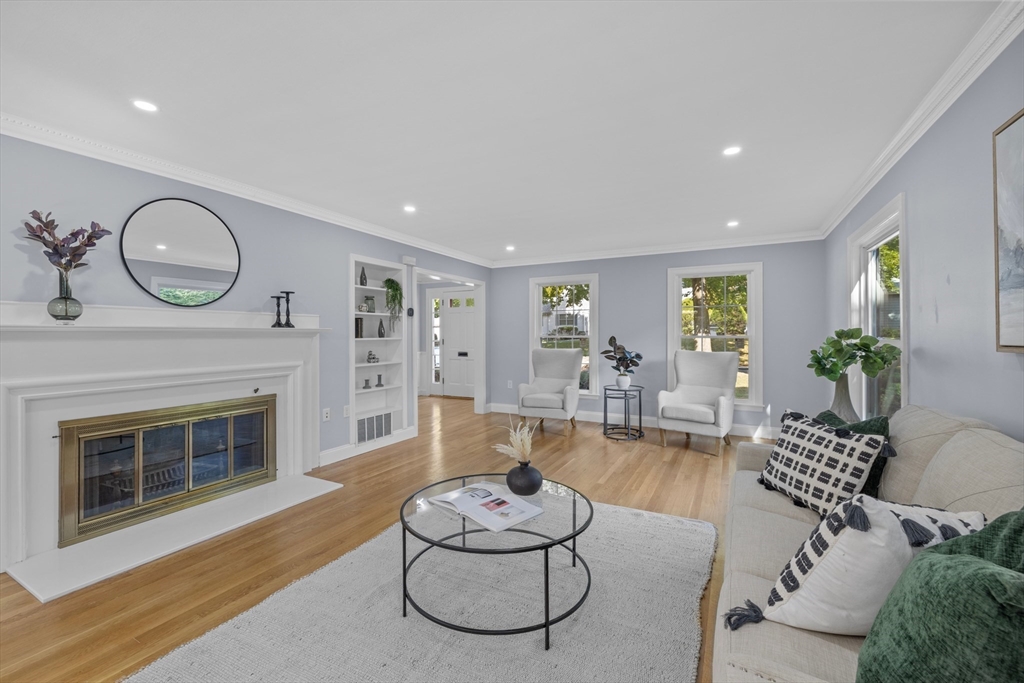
x: 118, y: 359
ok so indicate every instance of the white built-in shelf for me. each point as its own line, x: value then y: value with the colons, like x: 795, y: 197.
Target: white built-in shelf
x: 383, y: 388
x: 370, y: 289
x: 359, y: 313
x: 378, y: 339
x: 374, y: 365
x: 375, y: 412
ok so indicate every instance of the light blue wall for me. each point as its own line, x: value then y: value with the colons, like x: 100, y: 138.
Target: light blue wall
x: 633, y: 306
x: 144, y: 272
x: 947, y: 179
x: 279, y: 250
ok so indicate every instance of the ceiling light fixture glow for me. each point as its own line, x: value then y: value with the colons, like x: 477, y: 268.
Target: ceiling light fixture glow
x: 732, y: 224
x: 434, y: 277
x: 145, y: 106
x: 510, y: 248
x: 729, y: 151
x: 161, y: 246
x: 409, y: 208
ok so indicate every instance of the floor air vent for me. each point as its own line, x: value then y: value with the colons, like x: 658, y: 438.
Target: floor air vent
x: 373, y: 427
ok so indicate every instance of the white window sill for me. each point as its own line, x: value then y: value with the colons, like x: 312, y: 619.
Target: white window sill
x: 749, y: 407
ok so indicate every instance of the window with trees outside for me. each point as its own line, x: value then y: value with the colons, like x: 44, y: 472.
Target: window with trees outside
x: 564, y: 316
x: 716, y: 309
x: 884, y: 393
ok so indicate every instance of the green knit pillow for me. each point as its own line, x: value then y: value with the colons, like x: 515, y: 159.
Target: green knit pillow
x: 874, y: 425
x: 956, y: 613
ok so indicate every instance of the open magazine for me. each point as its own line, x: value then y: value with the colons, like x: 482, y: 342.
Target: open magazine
x: 490, y: 505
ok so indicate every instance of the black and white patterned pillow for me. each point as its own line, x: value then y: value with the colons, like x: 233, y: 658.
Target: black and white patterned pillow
x: 841, y: 575
x: 818, y: 466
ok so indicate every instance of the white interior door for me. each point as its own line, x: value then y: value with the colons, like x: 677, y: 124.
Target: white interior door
x: 458, y: 339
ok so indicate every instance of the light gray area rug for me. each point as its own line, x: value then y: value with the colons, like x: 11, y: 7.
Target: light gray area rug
x: 344, y: 622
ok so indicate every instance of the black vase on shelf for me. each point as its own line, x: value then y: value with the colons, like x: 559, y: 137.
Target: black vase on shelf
x: 380, y: 329
x: 524, y: 480
x: 359, y: 328
x: 380, y: 382
x: 362, y: 277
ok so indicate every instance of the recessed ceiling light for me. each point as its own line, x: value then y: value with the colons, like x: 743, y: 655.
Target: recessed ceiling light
x: 144, y: 105
x: 409, y: 208
x: 434, y: 277
x: 161, y: 246
x: 732, y: 224
x: 729, y: 151
x: 510, y: 248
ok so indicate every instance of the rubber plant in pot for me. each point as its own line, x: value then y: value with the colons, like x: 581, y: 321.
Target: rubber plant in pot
x: 66, y: 254
x: 393, y: 300
x: 841, y: 352
x: 523, y: 480
x: 622, y: 360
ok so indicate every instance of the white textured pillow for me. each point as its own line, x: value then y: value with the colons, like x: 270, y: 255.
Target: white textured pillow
x: 839, y: 578
x: 818, y: 466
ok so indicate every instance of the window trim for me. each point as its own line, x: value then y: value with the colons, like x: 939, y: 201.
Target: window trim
x: 889, y: 221
x: 755, y: 317
x: 580, y: 279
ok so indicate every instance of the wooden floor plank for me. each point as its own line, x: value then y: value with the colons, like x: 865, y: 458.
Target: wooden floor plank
x: 108, y: 630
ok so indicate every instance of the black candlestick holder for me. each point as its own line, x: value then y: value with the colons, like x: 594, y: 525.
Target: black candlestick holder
x: 287, y: 308
x: 278, y: 322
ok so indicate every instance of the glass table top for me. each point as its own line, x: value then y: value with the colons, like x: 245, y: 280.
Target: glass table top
x: 567, y: 513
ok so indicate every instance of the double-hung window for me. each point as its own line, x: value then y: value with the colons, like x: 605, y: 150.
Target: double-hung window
x: 718, y: 308
x: 878, y: 286
x: 563, y: 315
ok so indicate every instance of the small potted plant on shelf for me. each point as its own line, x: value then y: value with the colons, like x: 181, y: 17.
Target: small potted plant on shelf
x: 393, y: 300
x: 623, y: 361
x: 843, y: 351
x: 523, y: 480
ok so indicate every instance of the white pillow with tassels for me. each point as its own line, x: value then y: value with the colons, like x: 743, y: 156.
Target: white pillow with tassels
x: 840, y: 577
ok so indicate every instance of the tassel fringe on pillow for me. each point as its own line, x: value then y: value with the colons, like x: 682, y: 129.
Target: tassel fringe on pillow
x: 739, y: 616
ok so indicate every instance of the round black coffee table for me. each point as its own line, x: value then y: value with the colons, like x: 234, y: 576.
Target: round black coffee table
x: 557, y: 527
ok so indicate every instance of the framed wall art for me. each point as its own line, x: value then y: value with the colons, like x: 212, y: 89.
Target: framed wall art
x: 1008, y: 181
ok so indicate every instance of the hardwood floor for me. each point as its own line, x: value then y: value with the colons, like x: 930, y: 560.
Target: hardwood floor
x: 106, y: 631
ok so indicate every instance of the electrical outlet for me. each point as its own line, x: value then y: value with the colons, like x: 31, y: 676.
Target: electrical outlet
x: 510, y: 384
x: 345, y: 412
x: 327, y: 414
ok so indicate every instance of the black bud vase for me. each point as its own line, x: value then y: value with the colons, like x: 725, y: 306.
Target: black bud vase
x: 524, y: 480
x: 362, y: 276
x: 380, y: 329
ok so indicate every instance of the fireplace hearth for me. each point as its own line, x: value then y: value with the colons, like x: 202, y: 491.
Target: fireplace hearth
x: 119, y: 470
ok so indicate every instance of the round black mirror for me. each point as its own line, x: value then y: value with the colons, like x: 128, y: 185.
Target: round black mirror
x: 180, y: 252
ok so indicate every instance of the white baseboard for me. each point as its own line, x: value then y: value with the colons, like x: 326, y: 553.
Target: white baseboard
x: 350, y: 450
x: 761, y: 431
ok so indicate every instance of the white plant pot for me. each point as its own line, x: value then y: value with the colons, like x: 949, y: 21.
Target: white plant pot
x: 622, y: 381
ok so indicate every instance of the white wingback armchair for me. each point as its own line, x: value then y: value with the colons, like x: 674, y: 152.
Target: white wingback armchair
x: 704, y: 397
x: 555, y: 390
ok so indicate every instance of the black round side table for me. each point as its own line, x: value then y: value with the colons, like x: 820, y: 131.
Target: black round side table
x: 625, y: 431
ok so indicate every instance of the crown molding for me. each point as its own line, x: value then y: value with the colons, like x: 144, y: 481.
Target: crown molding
x: 807, y: 236
x: 31, y: 131
x: 1005, y: 23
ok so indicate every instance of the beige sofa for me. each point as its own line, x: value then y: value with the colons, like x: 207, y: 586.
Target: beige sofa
x: 942, y: 461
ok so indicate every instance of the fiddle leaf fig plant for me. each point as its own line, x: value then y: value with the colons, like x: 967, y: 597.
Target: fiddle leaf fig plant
x: 848, y: 348
x: 622, y: 360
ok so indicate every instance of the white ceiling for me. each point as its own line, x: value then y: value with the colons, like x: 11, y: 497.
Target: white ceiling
x: 562, y: 127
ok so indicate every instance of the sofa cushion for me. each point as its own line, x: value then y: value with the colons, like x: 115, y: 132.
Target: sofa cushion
x: 977, y: 469
x: 691, y: 412
x: 745, y: 547
x: 840, y: 577
x: 775, y: 652
x: 917, y: 433
x: 543, y: 401
x: 819, y: 466
x: 956, y: 614
x: 747, y: 492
